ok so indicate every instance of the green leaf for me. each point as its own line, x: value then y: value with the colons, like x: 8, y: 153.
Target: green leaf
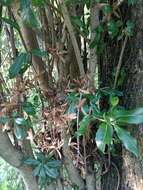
x: 129, y: 30
x: 110, y: 92
x: 51, y: 172
x: 54, y: 163
x: 4, y: 120
x: 128, y: 141
x: 113, y: 27
x: 42, y: 172
x: 38, y: 3
x: 20, y: 133
x: 29, y: 108
x: 24, y: 4
x: 42, y: 181
x: 36, y: 171
x: 98, y: 42
x: 10, y: 22
x: 20, y: 121
x: 40, y: 156
x: 31, y: 161
x: 104, y: 136
x: 39, y: 52
x: 107, y: 9
x: 128, y: 116
x: 84, y: 123
x: 114, y: 100
x: 77, y: 21
x: 138, y: 119
x: 20, y: 65
x: 29, y: 18
x: 28, y: 15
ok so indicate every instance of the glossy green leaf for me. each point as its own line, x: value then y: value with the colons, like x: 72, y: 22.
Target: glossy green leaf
x: 104, y: 136
x: 84, y: 123
x: 77, y: 21
x: 113, y: 27
x: 114, y: 100
x: 36, y: 171
x: 40, y: 156
x: 20, y: 121
x: 38, y: 3
x: 54, y: 163
x: 137, y: 119
x: 20, y: 132
x: 107, y: 9
x: 51, y: 172
x: 110, y: 92
x: 4, y: 120
x: 129, y: 30
x: 20, y: 65
x: 31, y: 161
x: 25, y: 4
x: 39, y: 53
x: 42, y: 181
x: 29, y: 108
x: 128, y: 116
x: 28, y: 15
x: 97, y: 42
x: 128, y: 141
x: 42, y: 172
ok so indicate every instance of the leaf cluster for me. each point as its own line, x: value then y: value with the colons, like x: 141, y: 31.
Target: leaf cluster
x: 45, y: 167
x: 110, y: 123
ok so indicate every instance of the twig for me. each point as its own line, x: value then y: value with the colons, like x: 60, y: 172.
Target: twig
x: 120, y: 62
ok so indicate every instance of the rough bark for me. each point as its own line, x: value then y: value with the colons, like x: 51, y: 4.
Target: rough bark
x: 90, y: 178
x: 72, y: 36
x: 73, y: 173
x: 111, y: 180
x: 30, y: 40
x: 93, y: 24
x: 132, y: 170
x: 14, y: 158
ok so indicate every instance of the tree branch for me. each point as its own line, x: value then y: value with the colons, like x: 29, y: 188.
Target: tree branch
x: 8, y: 152
x: 93, y: 24
x: 31, y: 43
x: 14, y: 158
x: 120, y: 62
x: 72, y: 170
x: 72, y: 35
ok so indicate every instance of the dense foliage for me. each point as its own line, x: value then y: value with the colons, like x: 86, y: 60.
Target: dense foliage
x: 51, y: 90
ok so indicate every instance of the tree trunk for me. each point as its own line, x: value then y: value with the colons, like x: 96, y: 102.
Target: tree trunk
x: 132, y: 170
x: 14, y: 158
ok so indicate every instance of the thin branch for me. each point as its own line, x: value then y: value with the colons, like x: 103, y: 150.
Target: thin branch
x: 120, y: 62
x: 11, y: 37
x: 73, y: 38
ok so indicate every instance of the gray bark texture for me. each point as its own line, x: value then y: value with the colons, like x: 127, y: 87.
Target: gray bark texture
x: 14, y: 158
x: 132, y: 169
